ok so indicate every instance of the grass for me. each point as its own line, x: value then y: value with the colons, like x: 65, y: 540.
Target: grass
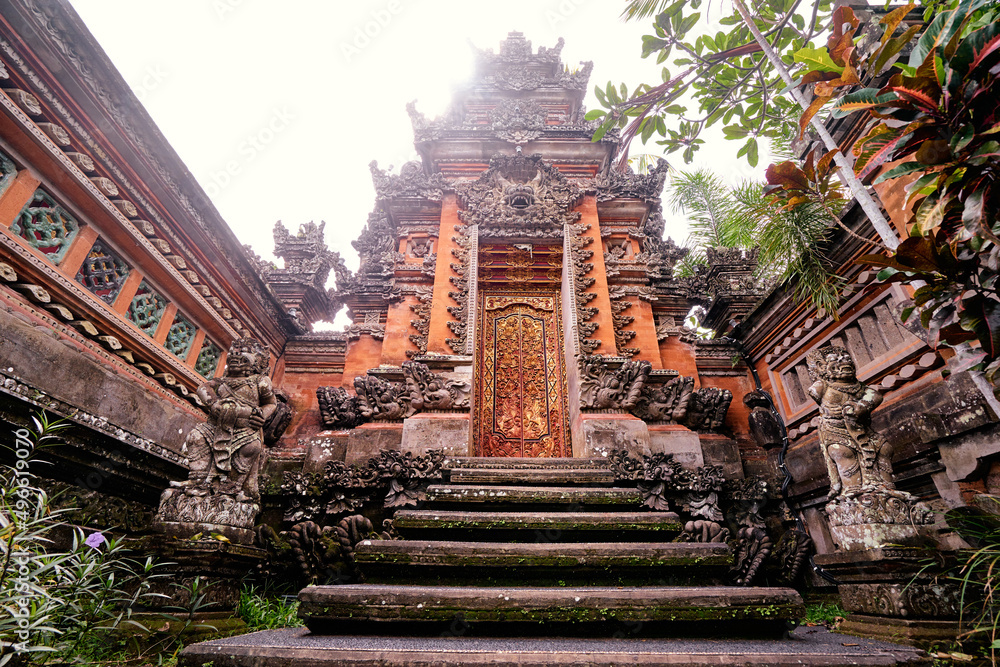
x: 823, y: 613
x: 266, y: 612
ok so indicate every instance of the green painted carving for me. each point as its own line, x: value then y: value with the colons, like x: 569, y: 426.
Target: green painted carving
x: 103, y: 272
x: 208, y: 359
x: 180, y: 337
x: 146, y: 309
x: 46, y: 226
x: 8, y: 172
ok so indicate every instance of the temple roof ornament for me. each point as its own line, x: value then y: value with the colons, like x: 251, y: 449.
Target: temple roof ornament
x: 307, y: 258
x: 516, y: 67
x: 411, y: 181
x: 519, y: 195
x: 616, y: 184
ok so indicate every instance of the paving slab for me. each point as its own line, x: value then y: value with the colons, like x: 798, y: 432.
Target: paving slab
x: 326, y: 606
x: 667, y: 522
x: 532, y: 476
x: 533, y: 495
x: 299, y: 648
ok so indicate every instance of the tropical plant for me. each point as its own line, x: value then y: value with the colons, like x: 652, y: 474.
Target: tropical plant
x: 792, y: 240
x: 57, y: 603
x: 938, y: 119
x: 724, y: 78
x: 267, y: 612
x: 978, y: 573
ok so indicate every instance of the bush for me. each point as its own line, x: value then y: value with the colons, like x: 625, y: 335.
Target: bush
x: 58, y: 603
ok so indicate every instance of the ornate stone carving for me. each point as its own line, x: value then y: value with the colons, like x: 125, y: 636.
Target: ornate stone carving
x: 519, y: 193
x: 375, y: 246
x: 677, y: 402
x: 517, y: 120
x: 708, y: 408
x: 576, y: 249
x: 615, y: 184
x: 703, y: 531
x: 422, y: 323
x: 307, y: 258
x: 790, y: 555
x: 224, y: 453
x: 381, y: 400
x: 602, y: 388
x: 910, y: 600
x: 865, y: 509
x: 665, y: 402
x: 753, y: 546
x: 764, y: 426
x: 412, y: 181
x: 337, y: 408
x: 459, y: 326
x: 619, y: 304
x: 431, y: 391
x: 389, y: 480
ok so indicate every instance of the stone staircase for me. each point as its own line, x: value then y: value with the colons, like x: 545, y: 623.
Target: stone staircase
x: 542, y: 562
x: 543, y: 545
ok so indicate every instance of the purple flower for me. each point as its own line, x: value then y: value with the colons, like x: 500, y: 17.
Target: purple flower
x: 95, y: 540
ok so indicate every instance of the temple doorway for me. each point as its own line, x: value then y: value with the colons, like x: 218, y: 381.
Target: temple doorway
x: 520, y: 376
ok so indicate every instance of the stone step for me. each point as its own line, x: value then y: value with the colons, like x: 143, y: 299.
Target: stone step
x: 631, y: 647
x: 533, y: 495
x: 543, y: 563
x: 553, y: 522
x: 532, y: 476
x: 505, y: 463
x: 547, y: 554
x: 324, y: 607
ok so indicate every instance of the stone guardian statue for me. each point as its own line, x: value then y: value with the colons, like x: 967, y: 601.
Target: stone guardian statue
x: 865, y: 509
x: 225, y: 453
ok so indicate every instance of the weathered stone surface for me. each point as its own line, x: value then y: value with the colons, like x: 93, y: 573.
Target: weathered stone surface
x: 366, y: 441
x: 901, y: 582
x: 446, y: 432
x: 600, y: 434
x: 551, y: 476
x: 323, y: 449
x: 323, y: 606
x: 297, y: 647
x: 612, y: 521
x: 488, y: 462
x: 534, y: 495
x: 542, y: 554
x: 679, y: 441
x: 912, y: 632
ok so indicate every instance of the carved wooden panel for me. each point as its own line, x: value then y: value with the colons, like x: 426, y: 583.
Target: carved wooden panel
x: 520, y: 380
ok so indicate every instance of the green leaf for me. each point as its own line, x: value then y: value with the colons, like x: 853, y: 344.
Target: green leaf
x: 899, y: 170
x: 962, y: 138
x: 594, y: 114
x: 752, y: 152
x: 816, y: 59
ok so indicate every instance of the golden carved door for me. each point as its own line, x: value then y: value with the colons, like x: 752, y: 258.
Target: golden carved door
x: 520, y: 377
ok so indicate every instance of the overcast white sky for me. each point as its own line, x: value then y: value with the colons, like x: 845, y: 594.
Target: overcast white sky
x: 278, y: 107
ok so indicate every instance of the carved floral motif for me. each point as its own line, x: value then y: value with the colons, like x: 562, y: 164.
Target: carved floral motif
x: 602, y: 388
